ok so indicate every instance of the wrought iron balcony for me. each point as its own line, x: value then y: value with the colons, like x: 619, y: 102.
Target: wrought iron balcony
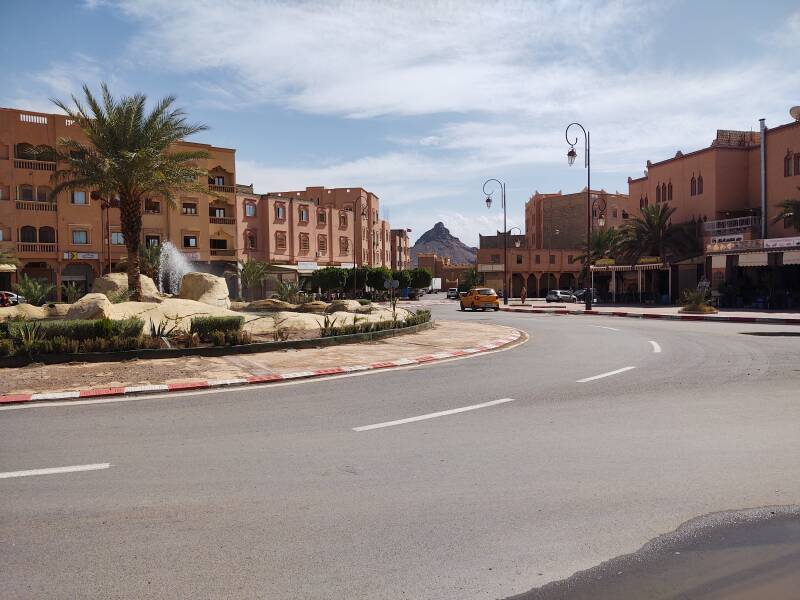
x: 731, y: 226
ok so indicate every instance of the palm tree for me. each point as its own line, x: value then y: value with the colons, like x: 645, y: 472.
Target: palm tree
x: 252, y: 273
x: 131, y: 156
x: 604, y: 243
x: 790, y: 211
x: 653, y: 234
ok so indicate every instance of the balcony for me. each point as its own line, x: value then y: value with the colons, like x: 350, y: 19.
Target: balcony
x: 36, y: 206
x: 223, y: 252
x: 225, y: 189
x: 34, y: 165
x: 36, y: 248
x: 222, y: 220
x: 731, y: 226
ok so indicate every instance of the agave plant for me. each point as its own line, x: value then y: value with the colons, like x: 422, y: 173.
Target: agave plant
x: 288, y: 292
x: 34, y: 291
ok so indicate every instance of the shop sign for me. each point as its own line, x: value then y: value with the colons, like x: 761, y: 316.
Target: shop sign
x: 307, y: 266
x: 81, y: 256
x: 648, y: 260
x: 605, y: 262
x: 192, y: 255
x: 787, y: 242
x: 722, y: 239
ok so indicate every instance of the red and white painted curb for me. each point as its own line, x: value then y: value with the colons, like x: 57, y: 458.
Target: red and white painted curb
x: 662, y: 316
x: 513, y: 336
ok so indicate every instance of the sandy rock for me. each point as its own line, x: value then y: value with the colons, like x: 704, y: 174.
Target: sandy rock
x: 271, y: 304
x: 57, y: 311
x: 26, y: 311
x: 316, y: 307
x: 351, y: 306
x: 206, y: 288
x: 91, y: 306
x: 295, y: 321
x: 115, y: 283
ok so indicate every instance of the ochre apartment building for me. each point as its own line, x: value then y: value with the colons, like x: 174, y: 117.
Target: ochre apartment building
x: 73, y: 238
x: 547, y: 254
x: 724, y: 187
x: 308, y: 229
x: 400, y: 248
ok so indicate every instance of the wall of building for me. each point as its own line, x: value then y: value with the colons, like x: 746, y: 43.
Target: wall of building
x: 25, y: 204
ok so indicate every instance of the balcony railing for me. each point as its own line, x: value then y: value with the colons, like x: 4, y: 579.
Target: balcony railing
x: 36, y: 248
x: 731, y: 226
x: 37, y: 206
x: 223, y: 252
x: 34, y: 165
x: 222, y: 220
x: 227, y: 189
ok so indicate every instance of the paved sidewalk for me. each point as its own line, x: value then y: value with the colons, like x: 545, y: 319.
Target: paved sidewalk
x: 82, y: 380
x: 655, y: 312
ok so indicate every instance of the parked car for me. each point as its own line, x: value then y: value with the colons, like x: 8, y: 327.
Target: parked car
x: 482, y: 298
x: 452, y: 293
x: 560, y: 296
x: 13, y: 298
x: 581, y: 295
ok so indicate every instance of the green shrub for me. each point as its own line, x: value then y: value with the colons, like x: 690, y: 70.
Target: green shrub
x: 419, y: 317
x: 237, y: 338
x: 120, y: 296
x: 64, y: 345
x: 205, y: 326
x: 86, y: 328
x: 6, y: 348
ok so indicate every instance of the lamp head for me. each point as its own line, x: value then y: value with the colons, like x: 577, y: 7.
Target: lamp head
x: 488, y: 202
x: 517, y: 243
x: 571, y: 155
x: 601, y: 220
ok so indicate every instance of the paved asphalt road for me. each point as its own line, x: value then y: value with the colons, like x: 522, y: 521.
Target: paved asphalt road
x: 269, y: 492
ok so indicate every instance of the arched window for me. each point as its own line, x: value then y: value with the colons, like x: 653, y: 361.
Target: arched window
x: 699, y: 184
x: 787, y: 164
x: 47, y: 235
x: 25, y: 151
x: 693, y: 187
x: 658, y: 193
x: 669, y: 191
x: 25, y: 193
x: 27, y: 234
x: 663, y: 192
x: 43, y: 193
x: 641, y: 202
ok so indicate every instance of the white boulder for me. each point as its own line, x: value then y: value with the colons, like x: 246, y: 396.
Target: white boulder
x: 206, y: 288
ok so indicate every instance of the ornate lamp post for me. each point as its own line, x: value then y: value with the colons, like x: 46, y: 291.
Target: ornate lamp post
x: 571, y: 156
x: 505, y: 229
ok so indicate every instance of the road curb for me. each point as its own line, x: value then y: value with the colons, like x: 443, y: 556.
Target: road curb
x: 662, y: 316
x: 512, y: 338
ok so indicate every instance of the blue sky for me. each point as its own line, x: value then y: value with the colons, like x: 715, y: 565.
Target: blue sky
x: 421, y: 102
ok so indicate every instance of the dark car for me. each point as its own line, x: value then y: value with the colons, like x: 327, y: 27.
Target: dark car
x: 580, y: 295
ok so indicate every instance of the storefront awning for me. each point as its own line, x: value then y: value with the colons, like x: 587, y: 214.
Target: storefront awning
x: 753, y: 259
x: 644, y: 267
x: 6, y: 268
x: 792, y: 257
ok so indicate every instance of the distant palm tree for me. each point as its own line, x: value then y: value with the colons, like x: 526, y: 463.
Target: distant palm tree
x: 131, y: 155
x: 251, y: 273
x: 604, y: 243
x: 790, y: 211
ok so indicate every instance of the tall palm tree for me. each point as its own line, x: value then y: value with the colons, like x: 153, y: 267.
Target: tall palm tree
x: 251, y: 272
x: 130, y: 155
x: 653, y: 234
x: 790, y: 211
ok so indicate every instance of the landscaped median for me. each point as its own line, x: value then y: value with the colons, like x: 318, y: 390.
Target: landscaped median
x: 664, y: 313
x: 445, y: 340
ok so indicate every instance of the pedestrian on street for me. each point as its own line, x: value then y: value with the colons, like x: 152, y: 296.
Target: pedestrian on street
x: 523, y: 294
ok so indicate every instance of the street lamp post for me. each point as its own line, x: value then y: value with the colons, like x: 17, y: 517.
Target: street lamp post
x: 505, y: 229
x: 571, y: 156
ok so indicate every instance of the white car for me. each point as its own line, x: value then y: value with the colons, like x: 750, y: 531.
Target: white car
x: 560, y: 296
x: 452, y: 293
x: 13, y: 298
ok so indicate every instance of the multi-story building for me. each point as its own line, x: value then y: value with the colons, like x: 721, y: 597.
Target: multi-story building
x: 441, y: 268
x: 733, y: 187
x: 72, y: 238
x: 547, y: 255
x: 400, y: 249
x: 312, y: 228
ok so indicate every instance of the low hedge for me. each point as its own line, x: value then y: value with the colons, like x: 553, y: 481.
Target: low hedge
x: 421, y: 316
x: 206, y: 326
x: 84, y: 329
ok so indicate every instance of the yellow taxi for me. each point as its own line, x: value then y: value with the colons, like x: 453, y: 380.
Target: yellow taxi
x: 480, y: 297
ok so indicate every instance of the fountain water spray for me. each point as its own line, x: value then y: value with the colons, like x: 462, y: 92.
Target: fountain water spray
x: 172, y: 266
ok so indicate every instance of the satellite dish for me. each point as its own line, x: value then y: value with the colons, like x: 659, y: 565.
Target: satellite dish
x: 795, y: 112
